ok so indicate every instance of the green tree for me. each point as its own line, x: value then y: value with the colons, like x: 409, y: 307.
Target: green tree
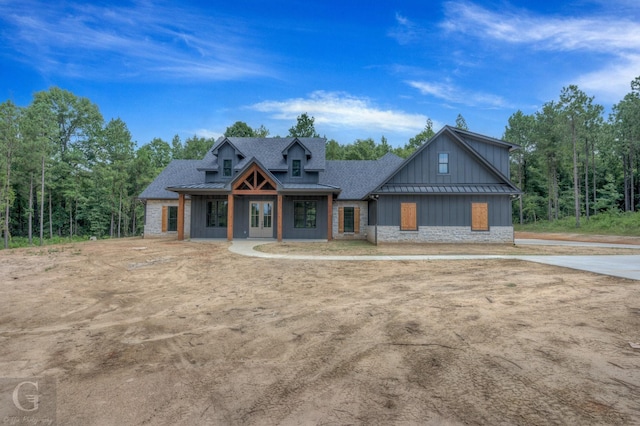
x: 196, y: 147
x: 574, y: 105
x: 521, y: 131
x: 76, y: 124
x: 334, y: 151
x: 239, y: 129
x: 10, y: 116
x: 177, y: 150
x: 461, y: 123
x: 626, y: 118
x: 159, y: 153
x: 304, y: 127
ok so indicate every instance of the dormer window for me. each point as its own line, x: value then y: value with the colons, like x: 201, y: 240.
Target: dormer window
x: 227, y: 165
x: 296, y: 168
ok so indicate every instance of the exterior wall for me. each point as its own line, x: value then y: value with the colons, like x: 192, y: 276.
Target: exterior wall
x: 153, y: 218
x: 445, y: 234
x: 444, y: 210
x: 199, y: 227
x: 364, y: 220
x: 288, y: 229
x: 463, y: 168
x: 495, y: 154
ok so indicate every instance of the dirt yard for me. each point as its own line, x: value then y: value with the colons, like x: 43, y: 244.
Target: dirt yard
x: 143, y: 332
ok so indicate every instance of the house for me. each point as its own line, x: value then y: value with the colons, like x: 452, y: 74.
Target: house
x: 454, y: 188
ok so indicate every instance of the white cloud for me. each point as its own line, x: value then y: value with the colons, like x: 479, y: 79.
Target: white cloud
x: 144, y: 40
x: 341, y: 110
x: 405, y: 30
x: 599, y: 34
x: 206, y: 133
x: 457, y: 95
x: 613, y: 82
x: 612, y: 38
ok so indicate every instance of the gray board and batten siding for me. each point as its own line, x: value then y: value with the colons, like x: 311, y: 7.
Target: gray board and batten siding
x: 441, y: 210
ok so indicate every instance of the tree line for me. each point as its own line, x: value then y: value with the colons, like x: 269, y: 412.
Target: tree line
x: 573, y: 160
x: 65, y: 171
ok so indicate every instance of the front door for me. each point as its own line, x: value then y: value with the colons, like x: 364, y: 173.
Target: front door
x: 261, y: 219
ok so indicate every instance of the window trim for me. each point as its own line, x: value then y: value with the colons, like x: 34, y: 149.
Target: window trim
x: 443, y: 163
x: 294, y: 169
x: 225, y: 167
x: 307, y: 207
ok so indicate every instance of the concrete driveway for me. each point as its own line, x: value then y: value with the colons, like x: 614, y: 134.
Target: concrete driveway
x: 623, y: 266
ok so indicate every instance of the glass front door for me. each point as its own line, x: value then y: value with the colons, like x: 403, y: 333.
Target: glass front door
x: 261, y: 219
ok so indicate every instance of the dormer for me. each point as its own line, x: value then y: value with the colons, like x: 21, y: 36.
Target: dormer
x: 296, y: 155
x: 228, y: 157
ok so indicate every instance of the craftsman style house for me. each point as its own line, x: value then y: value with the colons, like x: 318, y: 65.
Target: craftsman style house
x: 455, y: 187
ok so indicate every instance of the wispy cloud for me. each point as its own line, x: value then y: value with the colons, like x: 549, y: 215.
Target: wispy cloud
x: 613, y: 81
x: 599, y: 34
x: 145, y: 41
x: 405, y: 31
x: 612, y: 33
x: 457, y: 95
x: 341, y: 110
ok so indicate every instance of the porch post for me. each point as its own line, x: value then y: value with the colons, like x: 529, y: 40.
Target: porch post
x: 180, y: 217
x: 230, y: 217
x: 279, y: 218
x: 330, y: 217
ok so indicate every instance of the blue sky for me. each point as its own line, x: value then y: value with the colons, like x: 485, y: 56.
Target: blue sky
x: 361, y: 69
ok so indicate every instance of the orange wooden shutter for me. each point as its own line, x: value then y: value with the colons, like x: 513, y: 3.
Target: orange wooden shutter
x: 356, y: 220
x: 408, y: 217
x: 164, y: 219
x: 340, y: 220
x: 479, y: 217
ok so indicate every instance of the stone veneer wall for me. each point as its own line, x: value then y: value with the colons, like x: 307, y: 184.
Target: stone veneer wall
x: 445, y: 234
x: 153, y: 219
x: 364, y: 219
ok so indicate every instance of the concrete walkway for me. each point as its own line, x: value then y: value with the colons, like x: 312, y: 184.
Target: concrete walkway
x: 624, y: 266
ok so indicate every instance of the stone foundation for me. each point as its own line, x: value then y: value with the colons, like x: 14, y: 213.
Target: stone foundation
x: 445, y: 234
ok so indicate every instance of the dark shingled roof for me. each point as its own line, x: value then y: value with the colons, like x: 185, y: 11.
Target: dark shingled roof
x: 357, y: 178
x: 178, y: 172
x: 269, y: 151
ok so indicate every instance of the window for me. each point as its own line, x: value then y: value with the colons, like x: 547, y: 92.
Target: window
x: 408, y: 217
x: 217, y: 213
x: 349, y: 219
x: 304, y: 214
x: 443, y: 163
x: 479, y: 216
x: 296, y: 168
x: 226, y: 168
x: 172, y: 219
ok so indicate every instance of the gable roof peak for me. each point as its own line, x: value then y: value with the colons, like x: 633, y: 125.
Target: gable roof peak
x: 295, y: 141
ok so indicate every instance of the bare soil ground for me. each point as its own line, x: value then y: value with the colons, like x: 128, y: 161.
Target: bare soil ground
x: 162, y: 332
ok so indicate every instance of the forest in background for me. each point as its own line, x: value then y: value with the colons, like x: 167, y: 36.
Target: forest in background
x: 65, y: 171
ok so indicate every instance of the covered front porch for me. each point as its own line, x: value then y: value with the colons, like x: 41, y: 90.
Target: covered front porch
x: 257, y: 205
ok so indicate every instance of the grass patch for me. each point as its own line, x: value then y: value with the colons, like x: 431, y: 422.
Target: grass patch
x: 19, y: 242
x: 624, y: 224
